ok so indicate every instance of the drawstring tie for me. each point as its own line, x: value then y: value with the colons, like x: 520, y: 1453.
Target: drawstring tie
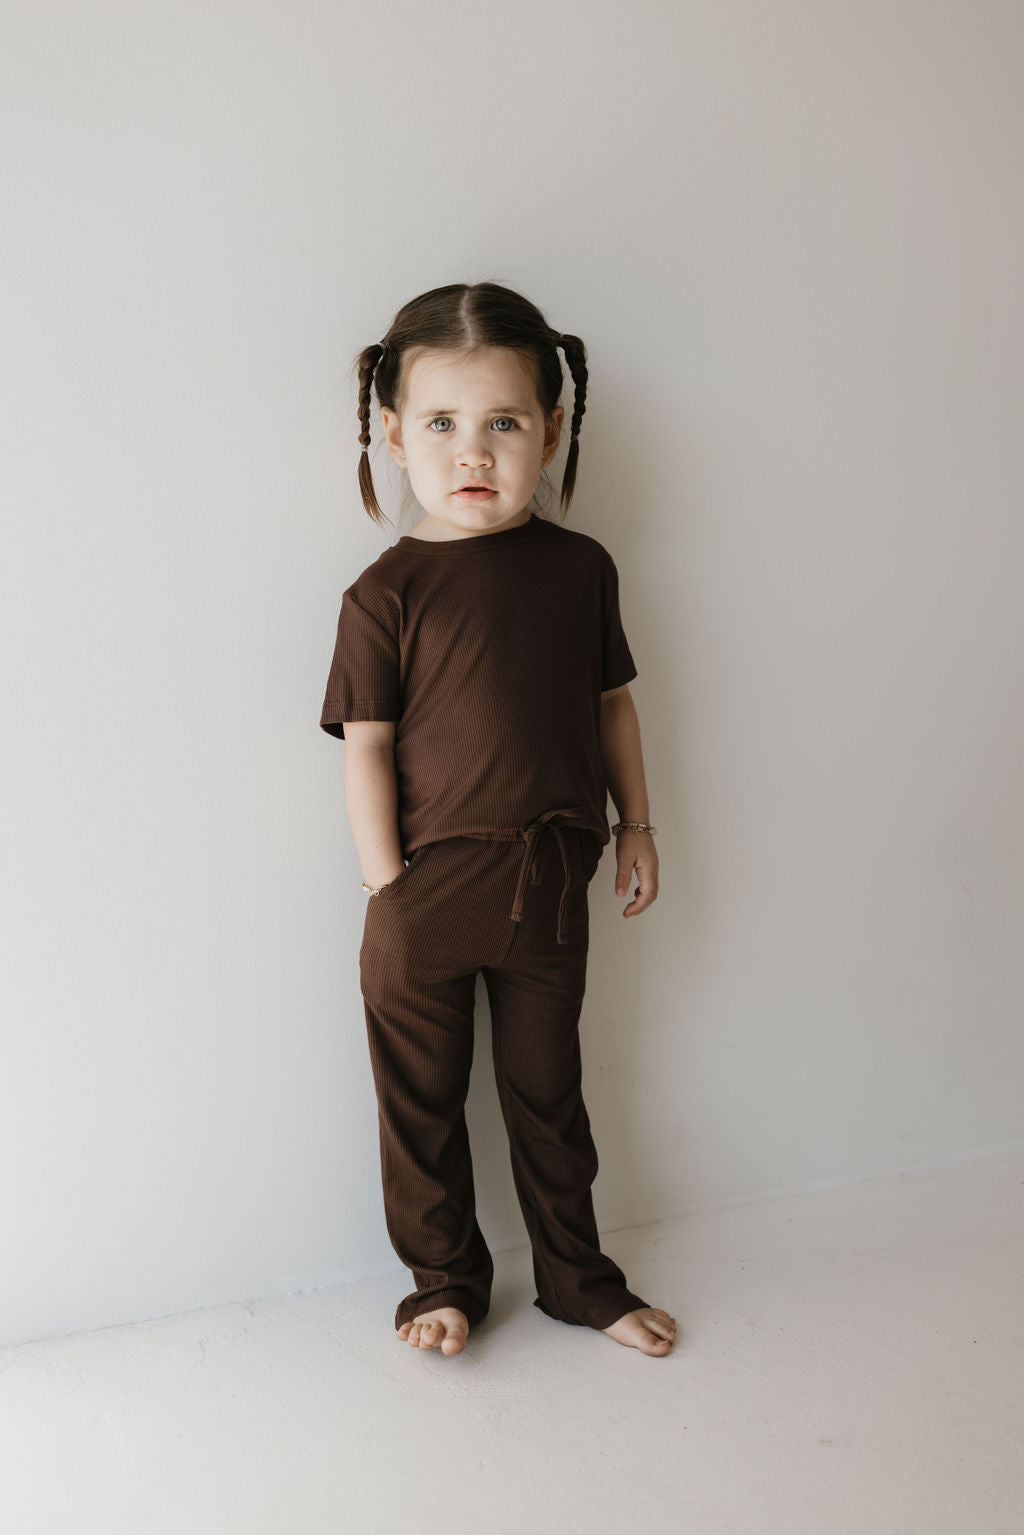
x: 531, y: 834
x: 529, y: 870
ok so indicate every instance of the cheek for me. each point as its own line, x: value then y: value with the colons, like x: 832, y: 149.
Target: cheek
x: 523, y: 449
x: 431, y: 452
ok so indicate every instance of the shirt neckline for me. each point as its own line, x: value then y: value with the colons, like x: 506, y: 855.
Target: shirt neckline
x: 479, y: 540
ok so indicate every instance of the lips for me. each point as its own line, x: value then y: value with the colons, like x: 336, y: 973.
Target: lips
x: 476, y: 485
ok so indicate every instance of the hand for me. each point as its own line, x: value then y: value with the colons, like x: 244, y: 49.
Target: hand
x: 384, y: 882
x: 636, y: 850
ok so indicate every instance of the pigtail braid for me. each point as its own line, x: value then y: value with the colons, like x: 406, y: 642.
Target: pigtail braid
x: 576, y: 357
x: 369, y: 357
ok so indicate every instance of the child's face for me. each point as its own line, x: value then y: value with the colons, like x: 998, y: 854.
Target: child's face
x: 466, y: 419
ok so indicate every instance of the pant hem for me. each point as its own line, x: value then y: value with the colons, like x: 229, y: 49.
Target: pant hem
x: 602, y: 1313
x: 413, y: 1305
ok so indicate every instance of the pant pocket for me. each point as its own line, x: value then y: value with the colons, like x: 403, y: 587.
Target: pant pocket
x: 415, y: 857
x: 591, y: 848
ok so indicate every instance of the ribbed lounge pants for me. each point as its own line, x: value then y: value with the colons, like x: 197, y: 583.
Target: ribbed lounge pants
x: 515, y: 908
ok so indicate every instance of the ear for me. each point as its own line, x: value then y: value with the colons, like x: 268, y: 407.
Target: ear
x: 393, y: 433
x: 552, y: 434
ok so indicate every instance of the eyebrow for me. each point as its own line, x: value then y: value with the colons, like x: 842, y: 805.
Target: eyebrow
x: 495, y: 410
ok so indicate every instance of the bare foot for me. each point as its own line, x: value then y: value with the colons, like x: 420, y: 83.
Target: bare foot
x: 447, y: 1325
x: 648, y: 1328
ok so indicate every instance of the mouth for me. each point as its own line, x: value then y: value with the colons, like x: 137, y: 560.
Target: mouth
x: 475, y: 488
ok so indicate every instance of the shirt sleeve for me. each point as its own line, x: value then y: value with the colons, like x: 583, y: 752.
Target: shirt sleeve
x: 364, y: 682
x: 617, y: 664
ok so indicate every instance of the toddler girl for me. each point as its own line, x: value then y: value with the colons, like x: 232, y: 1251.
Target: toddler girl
x: 480, y: 679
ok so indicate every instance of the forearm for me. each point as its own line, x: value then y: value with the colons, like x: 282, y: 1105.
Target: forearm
x: 623, y: 757
x: 371, y: 796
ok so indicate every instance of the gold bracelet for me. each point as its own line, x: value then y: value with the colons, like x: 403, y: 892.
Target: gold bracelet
x: 365, y: 886
x: 633, y: 826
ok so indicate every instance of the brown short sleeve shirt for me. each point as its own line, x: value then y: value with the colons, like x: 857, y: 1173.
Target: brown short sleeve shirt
x: 490, y: 654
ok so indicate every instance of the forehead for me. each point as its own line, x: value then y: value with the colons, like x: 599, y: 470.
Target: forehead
x: 480, y: 378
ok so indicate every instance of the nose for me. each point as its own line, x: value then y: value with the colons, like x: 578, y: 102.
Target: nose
x: 474, y: 451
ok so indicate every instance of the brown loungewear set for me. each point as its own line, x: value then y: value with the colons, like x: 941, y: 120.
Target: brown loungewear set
x: 490, y: 654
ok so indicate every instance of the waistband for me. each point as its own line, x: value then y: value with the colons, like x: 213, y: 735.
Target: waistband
x: 531, y: 833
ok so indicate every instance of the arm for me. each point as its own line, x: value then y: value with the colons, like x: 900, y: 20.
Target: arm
x: 622, y: 754
x: 371, y: 795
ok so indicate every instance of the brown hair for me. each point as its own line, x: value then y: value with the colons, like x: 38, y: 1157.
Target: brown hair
x: 464, y: 317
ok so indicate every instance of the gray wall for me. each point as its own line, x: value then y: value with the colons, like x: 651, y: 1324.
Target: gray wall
x: 792, y: 239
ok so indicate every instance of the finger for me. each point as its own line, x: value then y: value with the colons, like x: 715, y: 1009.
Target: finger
x: 646, y: 892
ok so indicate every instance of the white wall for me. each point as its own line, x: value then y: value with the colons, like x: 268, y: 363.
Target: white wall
x: 791, y: 237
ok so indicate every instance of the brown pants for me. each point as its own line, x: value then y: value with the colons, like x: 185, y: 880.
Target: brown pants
x: 516, y: 909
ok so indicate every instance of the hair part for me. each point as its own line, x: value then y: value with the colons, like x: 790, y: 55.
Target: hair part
x: 465, y: 317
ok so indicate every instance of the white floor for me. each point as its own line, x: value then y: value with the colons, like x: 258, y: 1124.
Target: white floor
x: 848, y: 1363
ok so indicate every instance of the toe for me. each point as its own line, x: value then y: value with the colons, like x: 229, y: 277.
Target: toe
x: 657, y: 1336
x: 433, y: 1331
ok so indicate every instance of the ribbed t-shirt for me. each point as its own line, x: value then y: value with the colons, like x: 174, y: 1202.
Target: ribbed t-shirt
x: 490, y: 654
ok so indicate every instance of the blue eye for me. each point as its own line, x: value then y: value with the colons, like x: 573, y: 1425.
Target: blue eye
x: 512, y: 423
